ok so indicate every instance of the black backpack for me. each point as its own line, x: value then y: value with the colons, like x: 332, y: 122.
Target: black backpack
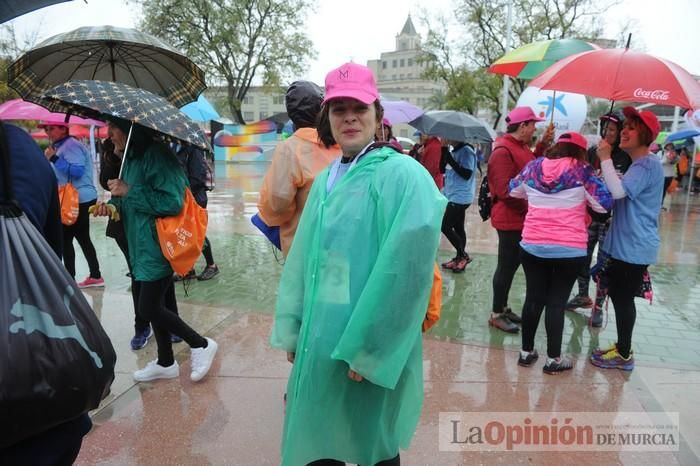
x: 485, y: 200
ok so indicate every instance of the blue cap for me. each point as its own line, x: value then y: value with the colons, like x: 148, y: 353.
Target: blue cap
x: 417, y: 133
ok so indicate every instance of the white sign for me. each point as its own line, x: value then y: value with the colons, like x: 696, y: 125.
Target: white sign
x: 693, y: 118
x: 569, y: 109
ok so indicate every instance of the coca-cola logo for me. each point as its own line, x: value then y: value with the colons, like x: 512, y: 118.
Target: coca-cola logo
x: 656, y: 94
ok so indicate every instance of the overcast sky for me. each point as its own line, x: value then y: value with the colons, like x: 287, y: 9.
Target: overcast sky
x: 360, y: 30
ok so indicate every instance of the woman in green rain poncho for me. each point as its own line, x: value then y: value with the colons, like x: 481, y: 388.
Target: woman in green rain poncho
x: 354, y: 291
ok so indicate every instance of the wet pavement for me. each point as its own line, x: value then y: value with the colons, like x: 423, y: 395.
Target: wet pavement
x: 235, y: 415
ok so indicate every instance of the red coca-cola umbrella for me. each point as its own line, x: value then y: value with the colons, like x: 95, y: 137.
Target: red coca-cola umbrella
x: 622, y: 74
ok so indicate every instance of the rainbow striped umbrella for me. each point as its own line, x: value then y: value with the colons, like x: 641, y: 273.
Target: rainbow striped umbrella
x: 528, y: 61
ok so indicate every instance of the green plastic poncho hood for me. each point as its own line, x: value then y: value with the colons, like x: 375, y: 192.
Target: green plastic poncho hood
x: 353, y: 294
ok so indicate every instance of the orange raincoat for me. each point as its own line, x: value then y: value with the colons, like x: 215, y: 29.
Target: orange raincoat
x: 287, y: 183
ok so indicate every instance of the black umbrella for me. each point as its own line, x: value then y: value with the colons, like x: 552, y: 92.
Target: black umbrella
x: 108, y: 53
x: 10, y: 9
x: 57, y: 361
x: 454, y: 126
x: 279, y: 119
x: 103, y: 100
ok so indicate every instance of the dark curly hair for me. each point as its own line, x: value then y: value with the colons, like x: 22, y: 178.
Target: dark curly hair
x: 324, y: 124
x: 566, y: 149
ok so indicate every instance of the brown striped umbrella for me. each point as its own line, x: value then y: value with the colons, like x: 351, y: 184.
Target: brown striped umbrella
x: 108, y: 53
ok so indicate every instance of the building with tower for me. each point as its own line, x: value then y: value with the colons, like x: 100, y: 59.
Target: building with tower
x: 399, y: 74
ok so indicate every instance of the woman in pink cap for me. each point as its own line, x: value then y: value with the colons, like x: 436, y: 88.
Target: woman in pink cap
x: 385, y: 134
x: 558, y: 188
x: 354, y: 291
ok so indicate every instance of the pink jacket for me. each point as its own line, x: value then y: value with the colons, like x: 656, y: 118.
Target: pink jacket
x: 557, y: 191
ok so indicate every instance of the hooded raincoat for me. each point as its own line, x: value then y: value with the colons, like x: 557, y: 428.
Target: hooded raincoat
x: 156, y: 189
x: 287, y: 183
x: 353, y: 295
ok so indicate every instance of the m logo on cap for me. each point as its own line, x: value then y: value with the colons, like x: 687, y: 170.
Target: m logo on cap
x: 344, y: 74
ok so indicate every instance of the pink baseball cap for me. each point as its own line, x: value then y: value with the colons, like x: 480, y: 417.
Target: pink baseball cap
x: 386, y: 122
x: 351, y: 80
x: 520, y: 115
x: 574, y: 138
x: 45, y: 123
x: 647, y: 117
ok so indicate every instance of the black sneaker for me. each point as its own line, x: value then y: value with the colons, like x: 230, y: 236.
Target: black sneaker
x: 529, y: 359
x: 501, y: 322
x: 579, y: 301
x: 555, y: 366
x: 209, y: 272
x: 512, y: 316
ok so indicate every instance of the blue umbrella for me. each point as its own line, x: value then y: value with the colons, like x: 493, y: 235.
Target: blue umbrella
x: 200, y: 110
x: 14, y: 8
x: 683, y: 134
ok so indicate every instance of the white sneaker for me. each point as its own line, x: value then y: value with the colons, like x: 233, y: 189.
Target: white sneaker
x: 154, y: 371
x: 202, y: 359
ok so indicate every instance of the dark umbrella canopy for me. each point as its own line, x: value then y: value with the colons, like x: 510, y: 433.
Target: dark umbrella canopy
x: 10, y: 9
x: 108, y: 53
x: 454, y: 126
x: 104, y: 100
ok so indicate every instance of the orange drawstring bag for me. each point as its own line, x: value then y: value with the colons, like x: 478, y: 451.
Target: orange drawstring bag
x: 181, y: 236
x: 70, y: 203
x: 435, y: 301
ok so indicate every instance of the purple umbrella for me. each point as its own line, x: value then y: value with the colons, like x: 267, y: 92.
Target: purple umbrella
x: 400, y: 111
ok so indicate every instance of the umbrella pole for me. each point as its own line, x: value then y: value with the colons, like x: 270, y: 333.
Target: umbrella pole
x: 554, y: 99
x: 126, y: 148
x: 605, y: 123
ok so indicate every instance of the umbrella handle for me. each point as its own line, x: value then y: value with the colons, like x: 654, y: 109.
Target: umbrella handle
x: 126, y: 148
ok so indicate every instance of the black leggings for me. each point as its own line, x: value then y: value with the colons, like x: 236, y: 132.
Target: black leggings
x: 57, y: 446
x: 625, y: 279
x: 140, y: 323
x: 206, y: 252
x: 395, y: 461
x: 667, y: 183
x: 80, y: 230
x: 508, y: 263
x: 156, y: 303
x: 453, y: 227
x: 548, y: 282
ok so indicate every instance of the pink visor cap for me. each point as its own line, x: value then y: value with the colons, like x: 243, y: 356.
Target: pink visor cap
x: 520, y: 115
x: 574, y: 138
x: 351, y: 80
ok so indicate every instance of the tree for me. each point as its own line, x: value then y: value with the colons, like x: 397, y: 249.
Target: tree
x: 482, y: 41
x: 12, y: 45
x: 235, y: 41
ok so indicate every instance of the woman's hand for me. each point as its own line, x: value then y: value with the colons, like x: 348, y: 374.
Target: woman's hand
x: 548, y: 136
x: 49, y: 152
x: 290, y: 357
x: 100, y: 210
x: 354, y: 376
x: 118, y: 187
x: 604, y: 150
